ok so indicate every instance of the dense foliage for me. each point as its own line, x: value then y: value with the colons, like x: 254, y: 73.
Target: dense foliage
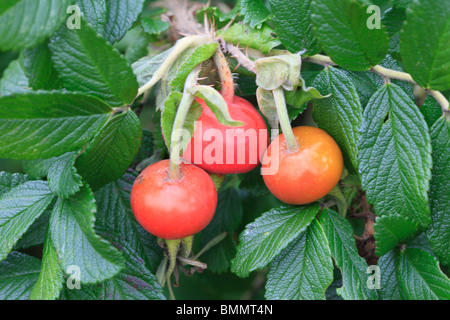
x: 89, y: 93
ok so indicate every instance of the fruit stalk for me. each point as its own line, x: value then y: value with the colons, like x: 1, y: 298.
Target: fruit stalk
x: 283, y: 117
x: 181, y: 46
x: 225, y: 75
x: 172, y: 248
x: 387, y: 74
x: 178, y: 125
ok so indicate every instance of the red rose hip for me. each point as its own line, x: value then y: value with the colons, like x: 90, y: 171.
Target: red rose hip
x: 173, y: 208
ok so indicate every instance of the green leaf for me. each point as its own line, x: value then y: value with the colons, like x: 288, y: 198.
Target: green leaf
x: 266, y: 103
x: 393, y: 20
x: 391, y: 63
x: 421, y: 242
x: 253, y: 183
x: 63, y: 178
x: 19, y: 208
x: 73, y: 236
x: 263, y: 39
x: 389, y: 288
x: 343, y: 249
x: 28, y: 22
x: 299, y: 98
x: 184, y: 65
x: 14, y: 80
x: 424, y: 43
x: 255, y: 13
x: 134, y: 44
x: 145, y: 67
x: 116, y: 223
x: 216, y: 103
x: 357, y: 47
x: 303, y: 270
x: 11, y: 180
x: 7, y: 4
x: 87, y: 63
x: 278, y: 71
x: 111, y: 151
x: 50, y: 281
x: 168, y: 118
x: 154, y: 26
x: 431, y: 110
x: 366, y: 83
x: 438, y: 233
x: 39, y: 68
x: 297, y: 102
x: 263, y: 239
x: 47, y: 124
x: 331, y: 293
x: 96, y: 13
x: 175, y: 78
x: 134, y: 283
x: 404, y: 4
x: 221, y: 19
x: 338, y: 196
x: 147, y: 147
x: 38, y: 168
x: 419, y: 276
x: 341, y: 114
x: 295, y: 30
x: 393, y: 229
x: 35, y: 234
x: 395, y: 160
x: 18, y: 274
x: 227, y: 218
x: 111, y: 19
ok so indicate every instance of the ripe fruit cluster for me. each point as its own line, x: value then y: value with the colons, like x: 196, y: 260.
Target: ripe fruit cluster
x: 177, y: 208
x: 174, y: 201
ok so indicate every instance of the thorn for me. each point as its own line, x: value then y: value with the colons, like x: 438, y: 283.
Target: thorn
x: 228, y: 24
x: 205, y: 22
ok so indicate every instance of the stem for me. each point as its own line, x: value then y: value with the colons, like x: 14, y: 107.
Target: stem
x: 180, y: 118
x: 225, y: 75
x: 387, y: 74
x: 278, y: 52
x: 194, y: 263
x: 283, y: 117
x: 243, y: 59
x: 218, y: 180
x: 169, y: 286
x: 181, y: 46
x: 441, y: 100
x: 210, y: 244
x: 321, y: 59
x: 393, y: 74
x: 186, y: 246
x: 172, y: 248
x: 178, y: 124
x: 161, y: 272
